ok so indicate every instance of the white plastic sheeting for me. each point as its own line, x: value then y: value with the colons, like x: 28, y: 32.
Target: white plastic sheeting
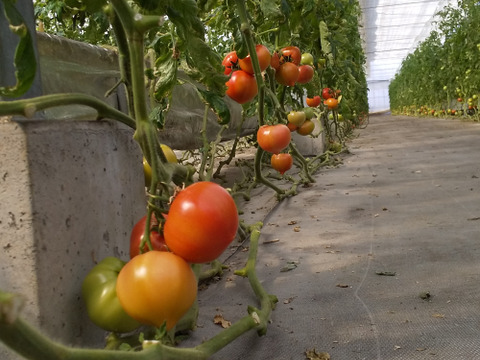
x: 391, y: 30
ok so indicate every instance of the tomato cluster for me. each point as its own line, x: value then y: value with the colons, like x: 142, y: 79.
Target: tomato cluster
x: 158, y: 286
x: 301, y: 121
x: 242, y: 86
x: 292, y: 67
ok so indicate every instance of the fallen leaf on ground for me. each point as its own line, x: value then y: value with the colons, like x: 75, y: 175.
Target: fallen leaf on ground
x: 291, y: 265
x: 313, y: 355
x: 386, y: 273
x: 220, y: 320
x: 342, y: 285
x: 438, y: 316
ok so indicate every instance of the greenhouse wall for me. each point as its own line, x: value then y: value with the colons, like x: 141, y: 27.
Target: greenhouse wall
x: 378, y: 99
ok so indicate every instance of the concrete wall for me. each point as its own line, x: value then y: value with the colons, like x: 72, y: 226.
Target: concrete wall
x: 70, y: 193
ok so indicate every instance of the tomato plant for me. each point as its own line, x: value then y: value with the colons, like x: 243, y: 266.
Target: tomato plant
x: 305, y: 74
x: 100, y: 297
x: 136, y: 237
x: 201, y: 223
x: 147, y: 170
x: 230, y: 62
x: 281, y: 162
x: 296, y: 117
x: 314, y: 102
x: 157, y: 287
x: 273, y: 138
x: 242, y: 87
x: 287, y: 74
x: 263, y: 56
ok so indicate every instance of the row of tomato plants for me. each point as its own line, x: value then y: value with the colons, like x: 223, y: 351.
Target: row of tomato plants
x: 263, y: 69
x: 441, y: 77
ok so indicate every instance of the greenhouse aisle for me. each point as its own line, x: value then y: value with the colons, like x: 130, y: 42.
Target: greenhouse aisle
x: 379, y: 259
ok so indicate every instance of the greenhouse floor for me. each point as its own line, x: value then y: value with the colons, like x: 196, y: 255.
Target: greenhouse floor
x: 379, y: 259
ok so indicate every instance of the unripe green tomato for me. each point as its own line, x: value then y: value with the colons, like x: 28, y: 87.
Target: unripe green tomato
x: 307, y: 59
x: 309, y: 113
x: 100, y: 296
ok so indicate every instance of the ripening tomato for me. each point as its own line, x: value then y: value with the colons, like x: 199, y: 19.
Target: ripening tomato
x: 305, y: 74
x: 281, y: 162
x: 291, y: 54
x: 263, y: 56
x: 296, y: 117
x: 156, y: 287
x: 331, y: 103
x: 136, y: 237
x: 287, y: 74
x: 230, y: 61
x: 307, y: 128
x: 241, y: 87
x: 314, y: 102
x: 201, y: 223
x: 273, y: 138
x: 327, y: 93
x: 292, y: 127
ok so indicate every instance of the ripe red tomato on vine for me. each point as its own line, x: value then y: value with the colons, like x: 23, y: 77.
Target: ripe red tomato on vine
x: 305, y: 74
x: 201, y: 223
x: 281, y: 162
x: 241, y: 87
x: 263, y: 56
x: 136, y: 237
x: 273, y: 138
x: 230, y: 61
x: 314, y: 102
x: 287, y: 74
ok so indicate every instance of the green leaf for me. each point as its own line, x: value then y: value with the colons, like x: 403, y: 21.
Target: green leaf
x: 166, y: 75
x: 217, y: 104
x: 24, y: 59
x: 271, y: 10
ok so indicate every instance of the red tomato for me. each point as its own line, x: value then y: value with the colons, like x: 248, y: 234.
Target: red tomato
x: 287, y: 74
x: 242, y: 87
x: 281, y: 162
x: 273, y: 138
x: 275, y: 61
x: 230, y: 61
x: 314, y: 102
x: 201, y: 223
x: 307, y: 128
x: 292, y: 126
x: 331, y: 103
x: 305, y: 74
x: 291, y: 54
x: 264, y: 58
x: 136, y: 237
x: 327, y: 93
x: 156, y: 287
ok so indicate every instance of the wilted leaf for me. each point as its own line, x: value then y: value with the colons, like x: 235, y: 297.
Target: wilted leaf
x: 291, y: 265
x: 24, y: 59
x: 217, y: 104
x: 314, y: 355
x: 220, y: 320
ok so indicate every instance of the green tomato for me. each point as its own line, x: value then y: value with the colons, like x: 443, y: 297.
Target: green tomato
x: 100, y: 296
x: 309, y: 113
x: 307, y: 59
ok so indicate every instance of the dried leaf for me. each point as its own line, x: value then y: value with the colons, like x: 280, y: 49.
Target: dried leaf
x: 271, y: 241
x: 220, y: 320
x: 386, y: 273
x: 313, y: 355
x: 293, y: 222
x: 438, y: 316
x: 296, y: 229
x: 342, y: 285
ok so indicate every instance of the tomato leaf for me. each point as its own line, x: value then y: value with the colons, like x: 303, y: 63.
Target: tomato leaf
x: 271, y: 10
x: 217, y: 104
x: 166, y: 75
x: 24, y: 59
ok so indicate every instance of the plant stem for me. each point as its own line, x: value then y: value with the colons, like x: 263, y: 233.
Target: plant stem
x: 28, y: 107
